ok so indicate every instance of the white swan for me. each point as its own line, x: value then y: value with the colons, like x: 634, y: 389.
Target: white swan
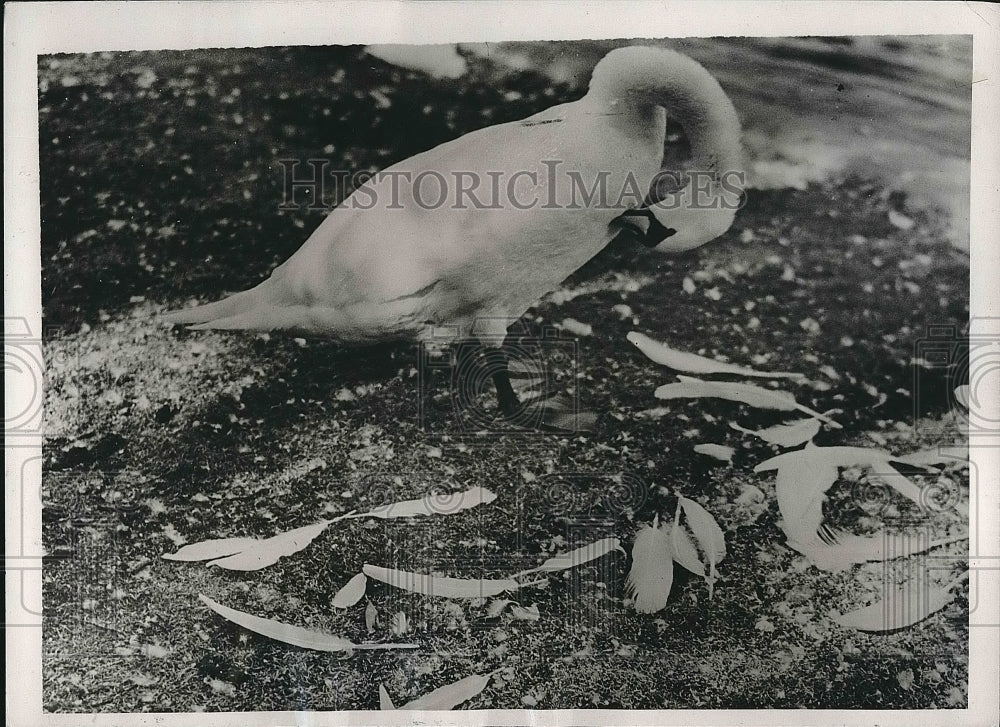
x: 383, y: 266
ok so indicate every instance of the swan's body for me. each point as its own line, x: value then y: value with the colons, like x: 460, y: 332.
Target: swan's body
x: 381, y: 273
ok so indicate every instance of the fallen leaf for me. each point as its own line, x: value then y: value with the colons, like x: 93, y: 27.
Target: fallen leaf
x: 692, y: 363
x: 785, y: 435
x: 451, y: 695
x: 351, y: 593
x: 371, y: 617
x: 718, y: 451
x: 652, y: 574
x: 754, y: 396
x: 581, y: 555
x: 294, y: 635
x: 440, y: 586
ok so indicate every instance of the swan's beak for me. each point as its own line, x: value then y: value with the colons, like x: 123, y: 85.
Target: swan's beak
x: 642, y: 226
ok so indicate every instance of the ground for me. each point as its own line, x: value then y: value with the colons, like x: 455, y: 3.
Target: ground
x: 159, y: 185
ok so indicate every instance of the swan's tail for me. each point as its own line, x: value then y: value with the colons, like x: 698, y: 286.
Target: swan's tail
x: 268, y: 307
x: 222, y: 313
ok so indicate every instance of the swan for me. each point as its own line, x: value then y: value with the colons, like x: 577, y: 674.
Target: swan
x: 398, y: 260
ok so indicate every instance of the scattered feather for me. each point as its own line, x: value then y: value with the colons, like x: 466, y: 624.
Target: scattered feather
x: 221, y: 687
x: 803, y: 479
x: 901, y: 484
x: 834, y: 550
x: 581, y: 555
x: 351, y: 593
x: 371, y: 617
x: 903, y: 606
x: 899, y: 220
x: 718, y: 451
x: 785, y: 435
x: 439, y: 61
x: 683, y: 549
x: 433, y: 504
x: 755, y: 396
x: 268, y: 551
x: 440, y: 586
x: 824, y: 458
x: 525, y: 613
x: 497, y: 607
x: 709, y: 536
x: 691, y: 363
x: 905, y: 679
x: 210, y: 549
x: 622, y: 310
x: 836, y: 456
x: 294, y: 635
x: 749, y: 495
x: 399, y: 624
x: 943, y: 454
x: 962, y: 394
x: 451, y: 695
x: 384, y: 702
x: 652, y: 574
x: 575, y: 327
x: 249, y: 554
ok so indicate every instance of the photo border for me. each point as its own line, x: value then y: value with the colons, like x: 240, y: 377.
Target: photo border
x: 33, y: 29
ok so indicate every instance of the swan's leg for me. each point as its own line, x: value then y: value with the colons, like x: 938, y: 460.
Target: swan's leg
x: 497, y: 364
x: 549, y: 411
x: 474, y: 362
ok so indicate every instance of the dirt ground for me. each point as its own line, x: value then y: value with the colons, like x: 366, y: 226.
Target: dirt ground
x: 159, y: 185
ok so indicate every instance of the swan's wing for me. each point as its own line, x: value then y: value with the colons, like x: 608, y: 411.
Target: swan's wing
x: 390, y: 240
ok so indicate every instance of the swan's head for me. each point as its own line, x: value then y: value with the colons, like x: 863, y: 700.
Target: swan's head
x: 693, y: 219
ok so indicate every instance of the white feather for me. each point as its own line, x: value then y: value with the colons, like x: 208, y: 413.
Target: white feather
x: 652, y: 574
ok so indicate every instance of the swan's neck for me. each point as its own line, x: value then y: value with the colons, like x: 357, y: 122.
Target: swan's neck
x: 634, y: 81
